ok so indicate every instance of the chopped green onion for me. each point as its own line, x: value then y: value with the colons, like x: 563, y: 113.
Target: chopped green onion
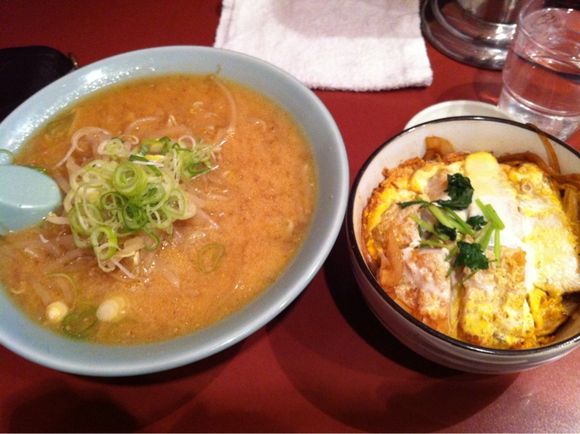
x: 153, y: 196
x: 129, y: 179
x: 112, y: 201
x: 70, y: 281
x: 143, y: 150
x: 209, y: 257
x: 196, y: 168
x: 65, y: 277
x: 160, y: 219
x: 149, y: 165
x: 75, y: 224
x: 137, y: 157
x: 115, y: 148
x: 88, y: 215
x: 194, y: 163
x: 168, y: 145
x: 130, y: 191
x: 134, y: 216
x: 155, y: 146
x: 175, y: 205
x: 153, y: 237
x: 80, y: 323
x: 104, y: 242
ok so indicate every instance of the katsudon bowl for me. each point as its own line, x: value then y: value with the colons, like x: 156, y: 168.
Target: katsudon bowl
x: 228, y: 76
x: 468, y: 134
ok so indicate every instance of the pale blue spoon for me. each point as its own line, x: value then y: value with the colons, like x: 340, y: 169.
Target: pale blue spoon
x: 26, y: 197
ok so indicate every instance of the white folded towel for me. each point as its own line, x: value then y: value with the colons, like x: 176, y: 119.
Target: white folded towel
x: 332, y: 44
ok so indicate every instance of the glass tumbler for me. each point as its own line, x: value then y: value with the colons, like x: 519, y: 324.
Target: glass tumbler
x: 541, y: 76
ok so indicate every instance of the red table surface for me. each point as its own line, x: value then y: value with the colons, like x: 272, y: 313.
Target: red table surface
x: 325, y: 364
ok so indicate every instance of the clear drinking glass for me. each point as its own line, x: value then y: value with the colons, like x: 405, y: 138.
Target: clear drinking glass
x: 541, y: 76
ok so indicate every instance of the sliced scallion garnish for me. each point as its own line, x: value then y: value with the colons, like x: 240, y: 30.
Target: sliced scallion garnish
x: 135, y: 189
x: 209, y: 257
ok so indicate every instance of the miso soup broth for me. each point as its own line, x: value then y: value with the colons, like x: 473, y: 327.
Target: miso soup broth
x: 185, y: 197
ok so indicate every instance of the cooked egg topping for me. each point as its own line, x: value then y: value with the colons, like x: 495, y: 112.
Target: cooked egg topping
x: 491, y: 266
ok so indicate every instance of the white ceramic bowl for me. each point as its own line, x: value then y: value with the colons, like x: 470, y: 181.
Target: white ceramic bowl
x: 461, y: 107
x: 467, y: 134
x: 26, y: 338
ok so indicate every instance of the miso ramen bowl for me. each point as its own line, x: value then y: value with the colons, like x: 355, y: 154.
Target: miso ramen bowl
x: 467, y: 134
x: 28, y: 339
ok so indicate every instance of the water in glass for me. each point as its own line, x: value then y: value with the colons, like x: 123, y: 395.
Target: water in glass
x: 541, y: 77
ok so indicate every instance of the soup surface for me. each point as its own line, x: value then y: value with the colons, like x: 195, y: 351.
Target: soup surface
x: 253, y: 206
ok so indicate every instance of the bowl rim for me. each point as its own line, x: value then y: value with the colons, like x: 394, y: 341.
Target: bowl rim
x: 252, y: 316
x: 362, y: 265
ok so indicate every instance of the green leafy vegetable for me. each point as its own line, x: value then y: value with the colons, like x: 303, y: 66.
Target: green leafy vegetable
x: 460, y: 192
x: 450, y: 233
x: 471, y: 255
x: 476, y: 222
